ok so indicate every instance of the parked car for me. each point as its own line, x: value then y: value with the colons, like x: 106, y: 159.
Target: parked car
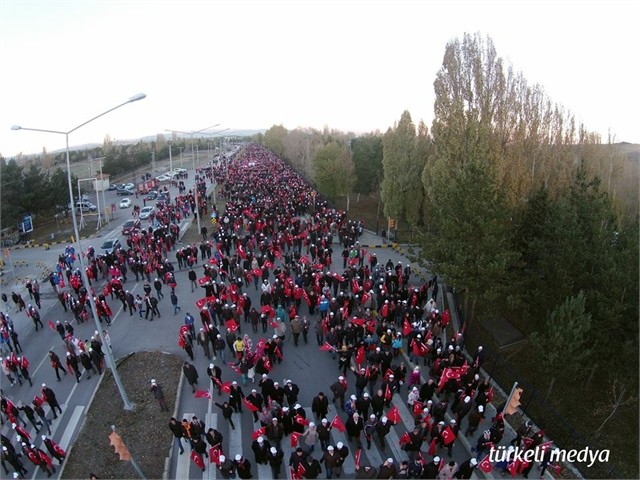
x: 131, y: 226
x: 125, y: 203
x: 84, y: 207
x: 112, y: 187
x: 163, y: 178
x: 151, y: 195
x: 110, y: 246
x: 146, y: 212
x: 124, y: 191
x: 129, y: 186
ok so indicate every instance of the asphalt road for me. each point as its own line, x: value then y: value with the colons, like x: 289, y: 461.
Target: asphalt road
x: 313, y: 370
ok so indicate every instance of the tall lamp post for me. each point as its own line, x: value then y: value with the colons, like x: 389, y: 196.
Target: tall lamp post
x: 192, y: 134
x: 83, y: 272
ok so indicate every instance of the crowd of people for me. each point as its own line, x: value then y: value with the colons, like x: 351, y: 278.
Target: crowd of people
x: 276, y: 238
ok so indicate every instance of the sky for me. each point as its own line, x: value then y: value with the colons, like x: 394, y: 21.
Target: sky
x: 351, y: 65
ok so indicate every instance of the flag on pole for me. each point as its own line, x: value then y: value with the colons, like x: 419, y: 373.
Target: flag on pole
x: 197, y: 459
x: 326, y: 347
x: 202, y: 394
x: 259, y: 432
x: 358, y: 458
x: 294, y: 439
x: 252, y: 408
x: 231, y: 324
x: 394, y: 415
x: 338, y: 424
x: 52, y: 326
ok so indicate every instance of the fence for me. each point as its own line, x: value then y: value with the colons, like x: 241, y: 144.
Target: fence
x: 535, y: 406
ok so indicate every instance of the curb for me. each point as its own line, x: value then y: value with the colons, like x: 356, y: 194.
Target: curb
x: 47, y: 244
x: 169, y: 458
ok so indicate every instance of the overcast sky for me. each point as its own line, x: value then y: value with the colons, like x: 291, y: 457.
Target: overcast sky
x: 350, y: 65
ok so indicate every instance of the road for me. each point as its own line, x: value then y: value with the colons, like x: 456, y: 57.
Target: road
x: 313, y: 370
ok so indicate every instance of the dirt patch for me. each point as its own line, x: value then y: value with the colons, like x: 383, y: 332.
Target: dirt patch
x: 143, y: 430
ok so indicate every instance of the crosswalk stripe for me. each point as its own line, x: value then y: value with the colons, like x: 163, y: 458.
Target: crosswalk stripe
x: 405, y: 415
x: 184, y: 462
x: 71, y: 426
x: 393, y: 442
x: 235, y: 437
x: 211, y: 421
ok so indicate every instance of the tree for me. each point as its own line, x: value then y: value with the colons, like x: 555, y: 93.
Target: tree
x: 564, y: 340
x: 12, y: 192
x: 274, y: 139
x: 401, y: 188
x: 367, y: 161
x: 333, y: 170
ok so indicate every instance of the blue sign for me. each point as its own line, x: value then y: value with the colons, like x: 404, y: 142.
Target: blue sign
x: 27, y: 224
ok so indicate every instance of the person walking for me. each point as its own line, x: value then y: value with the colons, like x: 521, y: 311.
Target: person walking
x: 174, y: 302
x: 178, y: 433
x: 227, y: 412
x: 157, y: 284
x: 50, y: 397
x: 275, y: 457
x: 37, y: 407
x: 55, y: 364
x: 54, y: 449
x: 191, y: 375
x: 72, y: 365
x: 158, y: 394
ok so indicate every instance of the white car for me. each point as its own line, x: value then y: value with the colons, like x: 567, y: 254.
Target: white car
x: 146, y: 212
x: 163, y: 178
x: 125, y: 203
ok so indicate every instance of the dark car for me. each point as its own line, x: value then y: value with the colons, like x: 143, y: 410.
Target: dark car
x: 124, y: 191
x: 151, y: 195
x: 131, y: 226
x: 110, y: 246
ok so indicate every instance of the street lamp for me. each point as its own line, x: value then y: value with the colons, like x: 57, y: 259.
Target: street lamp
x: 83, y: 272
x: 194, y: 164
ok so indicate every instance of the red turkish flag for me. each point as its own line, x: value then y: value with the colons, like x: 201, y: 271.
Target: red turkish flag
x: 338, y: 277
x: 261, y: 431
x: 213, y: 261
x: 52, y: 326
x: 38, y: 400
x: 250, y: 406
x: 226, y: 387
x: 201, y: 303
x: 388, y: 394
x: 417, y: 408
x: 406, y: 328
x: 360, y: 356
x: 405, y: 438
x: 235, y: 369
x: 358, y: 458
x: 294, y: 439
x: 268, y: 264
x: 241, y: 252
x: 358, y: 321
x: 197, y: 459
x: 301, y: 470
x: 432, y: 448
x: 338, y: 424
x: 512, y: 467
x: 231, y: 324
x: 301, y: 420
x: 304, y: 260
x: 448, y: 437
x: 203, y: 280
x: 268, y: 311
x: 202, y: 394
x: 527, y: 441
x: 485, y: 464
x: 256, y: 272
x: 545, y: 446
x: 394, y: 415
x: 385, y: 310
x: 214, y: 455
x: 326, y: 347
